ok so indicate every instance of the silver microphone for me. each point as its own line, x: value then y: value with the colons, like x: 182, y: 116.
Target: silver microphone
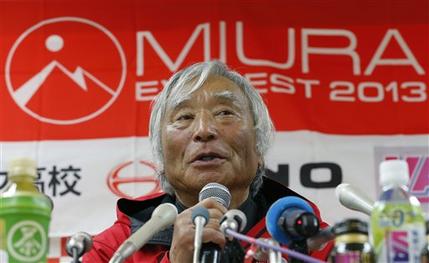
x: 233, y: 219
x: 211, y: 252
x: 354, y: 199
x: 200, y: 217
x: 262, y: 254
x: 162, y: 217
x: 216, y: 191
x: 78, y: 244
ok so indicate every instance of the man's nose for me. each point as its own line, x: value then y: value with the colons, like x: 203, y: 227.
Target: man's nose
x: 205, y: 128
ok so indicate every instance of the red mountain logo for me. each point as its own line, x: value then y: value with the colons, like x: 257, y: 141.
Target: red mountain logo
x: 69, y: 80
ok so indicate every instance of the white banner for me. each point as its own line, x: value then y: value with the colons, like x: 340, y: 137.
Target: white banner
x: 84, y: 178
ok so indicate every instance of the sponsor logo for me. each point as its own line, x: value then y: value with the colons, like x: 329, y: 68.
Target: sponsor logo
x: 70, y: 77
x: 123, y: 180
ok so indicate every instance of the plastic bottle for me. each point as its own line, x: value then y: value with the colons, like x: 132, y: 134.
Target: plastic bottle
x: 352, y: 243
x: 397, y: 221
x: 25, y: 214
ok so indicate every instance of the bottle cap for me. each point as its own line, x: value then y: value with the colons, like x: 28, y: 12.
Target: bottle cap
x: 352, y: 225
x: 394, y: 172
x: 22, y: 166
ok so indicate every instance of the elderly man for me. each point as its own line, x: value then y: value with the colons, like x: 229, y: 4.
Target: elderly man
x: 207, y: 125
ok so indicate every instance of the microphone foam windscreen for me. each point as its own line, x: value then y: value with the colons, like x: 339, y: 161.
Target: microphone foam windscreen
x: 200, y: 211
x: 275, y: 212
x: 216, y: 191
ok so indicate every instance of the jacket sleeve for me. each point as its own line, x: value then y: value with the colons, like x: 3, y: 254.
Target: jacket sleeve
x: 165, y: 258
x: 107, y: 242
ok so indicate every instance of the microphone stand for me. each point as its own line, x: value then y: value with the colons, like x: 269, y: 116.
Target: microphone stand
x: 274, y: 256
x: 75, y: 256
x: 210, y: 253
x: 298, y: 246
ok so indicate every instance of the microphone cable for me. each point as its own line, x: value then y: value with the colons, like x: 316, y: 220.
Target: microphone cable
x: 266, y: 245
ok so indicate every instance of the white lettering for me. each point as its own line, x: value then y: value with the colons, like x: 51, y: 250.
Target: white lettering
x: 222, y: 41
x: 262, y: 62
x: 349, y: 50
x: 172, y: 66
x: 409, y: 60
x: 257, y: 79
x: 370, y: 85
x: 341, y: 91
x: 146, y: 90
x: 282, y: 84
x: 307, y: 85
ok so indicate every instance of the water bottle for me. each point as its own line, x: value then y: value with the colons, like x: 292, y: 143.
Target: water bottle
x: 25, y: 214
x: 397, y: 220
x: 352, y: 243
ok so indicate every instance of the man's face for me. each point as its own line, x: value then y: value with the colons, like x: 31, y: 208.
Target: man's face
x: 209, y: 136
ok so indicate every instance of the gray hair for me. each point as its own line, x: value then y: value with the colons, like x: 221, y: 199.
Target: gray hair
x: 197, y: 75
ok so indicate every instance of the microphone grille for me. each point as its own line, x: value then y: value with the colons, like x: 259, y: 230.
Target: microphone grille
x: 216, y: 191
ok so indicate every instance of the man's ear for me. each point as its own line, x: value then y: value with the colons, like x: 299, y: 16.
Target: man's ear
x: 261, y: 164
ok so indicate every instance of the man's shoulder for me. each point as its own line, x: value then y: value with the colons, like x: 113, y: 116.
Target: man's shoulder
x: 273, y: 190
x: 142, y: 206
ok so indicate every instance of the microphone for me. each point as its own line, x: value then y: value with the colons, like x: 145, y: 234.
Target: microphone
x: 317, y: 241
x: 216, y: 191
x: 162, y: 217
x: 78, y: 244
x: 291, y: 219
x: 200, y: 217
x: 354, y: 199
x: 210, y: 252
x: 264, y: 254
x: 234, y: 220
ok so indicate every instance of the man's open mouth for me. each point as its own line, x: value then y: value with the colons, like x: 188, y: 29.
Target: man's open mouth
x: 206, y: 157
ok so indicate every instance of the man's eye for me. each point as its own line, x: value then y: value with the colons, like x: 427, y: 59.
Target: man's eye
x: 184, y: 117
x: 224, y: 113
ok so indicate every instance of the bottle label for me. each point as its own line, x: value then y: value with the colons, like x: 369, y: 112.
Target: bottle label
x: 403, y: 246
x: 348, y: 257
x: 397, y: 233
x: 27, y: 241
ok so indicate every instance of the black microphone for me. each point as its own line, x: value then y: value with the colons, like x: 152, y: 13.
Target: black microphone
x: 319, y: 240
x: 290, y: 219
x: 210, y: 252
x: 77, y: 245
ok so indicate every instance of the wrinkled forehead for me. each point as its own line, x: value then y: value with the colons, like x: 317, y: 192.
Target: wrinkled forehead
x: 182, y: 93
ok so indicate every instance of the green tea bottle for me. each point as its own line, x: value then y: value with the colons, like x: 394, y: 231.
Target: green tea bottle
x: 25, y: 214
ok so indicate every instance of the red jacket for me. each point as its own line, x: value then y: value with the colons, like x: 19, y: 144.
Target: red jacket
x: 156, y: 250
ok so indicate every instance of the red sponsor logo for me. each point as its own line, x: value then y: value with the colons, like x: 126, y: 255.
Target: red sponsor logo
x: 69, y: 78
x: 123, y: 180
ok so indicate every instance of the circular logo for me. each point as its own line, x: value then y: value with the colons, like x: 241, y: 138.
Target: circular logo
x: 124, y: 182
x: 27, y: 241
x: 65, y: 70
